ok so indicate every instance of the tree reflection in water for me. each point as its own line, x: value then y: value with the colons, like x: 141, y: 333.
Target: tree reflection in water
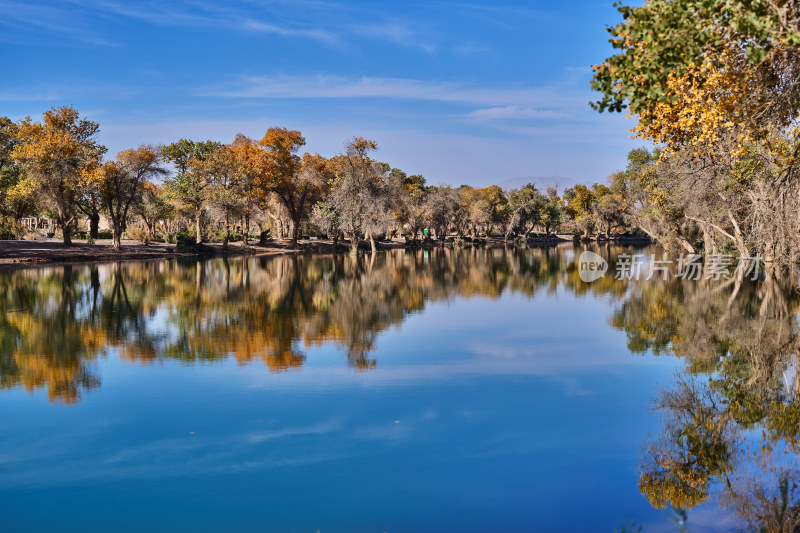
x: 56, y: 322
x: 731, y: 420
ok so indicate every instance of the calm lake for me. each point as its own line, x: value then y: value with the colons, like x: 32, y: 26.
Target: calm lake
x: 405, y: 391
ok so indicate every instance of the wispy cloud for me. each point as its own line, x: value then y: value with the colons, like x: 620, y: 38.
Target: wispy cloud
x: 317, y: 34
x: 36, y: 95
x: 62, y: 93
x: 319, y: 21
x: 401, y: 34
x: 326, y: 86
x: 25, y: 18
x: 167, y: 457
x: 36, y: 463
x: 514, y: 112
x: 213, y: 15
x: 497, y: 15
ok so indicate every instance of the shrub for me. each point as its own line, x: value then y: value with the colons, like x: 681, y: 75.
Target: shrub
x: 219, y: 236
x: 11, y: 229
x: 187, y: 244
x: 139, y: 234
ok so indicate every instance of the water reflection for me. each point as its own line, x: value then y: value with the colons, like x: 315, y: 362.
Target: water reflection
x: 56, y: 322
x: 731, y: 419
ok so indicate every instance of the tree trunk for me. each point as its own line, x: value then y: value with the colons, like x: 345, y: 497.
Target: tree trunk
x: 227, y: 234
x: 354, y: 244
x: 335, y: 239
x: 66, y: 231
x: 739, y: 238
x: 686, y: 245
x: 296, y: 233
x: 116, y: 243
x: 529, y: 231
x: 94, y: 225
x: 198, y: 233
x: 709, y: 243
x: 372, y: 242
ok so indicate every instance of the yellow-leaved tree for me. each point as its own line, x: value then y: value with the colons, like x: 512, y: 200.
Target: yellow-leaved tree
x: 56, y: 155
x: 297, y: 182
x: 121, y: 183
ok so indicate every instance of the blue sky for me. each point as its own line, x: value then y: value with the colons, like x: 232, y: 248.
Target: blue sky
x: 473, y: 92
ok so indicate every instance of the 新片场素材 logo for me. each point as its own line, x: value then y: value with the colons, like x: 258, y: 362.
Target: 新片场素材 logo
x: 591, y: 266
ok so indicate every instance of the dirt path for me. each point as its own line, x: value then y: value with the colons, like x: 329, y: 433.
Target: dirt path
x: 21, y: 253
x: 15, y: 254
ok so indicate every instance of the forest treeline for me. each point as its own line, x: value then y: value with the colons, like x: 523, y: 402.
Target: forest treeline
x: 209, y: 190
x: 715, y: 85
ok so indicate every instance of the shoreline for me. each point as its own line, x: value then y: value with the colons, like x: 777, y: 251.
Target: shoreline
x: 16, y: 254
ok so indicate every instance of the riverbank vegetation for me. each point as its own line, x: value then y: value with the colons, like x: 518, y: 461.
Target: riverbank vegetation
x: 193, y: 192
x: 716, y: 85
x: 713, y: 84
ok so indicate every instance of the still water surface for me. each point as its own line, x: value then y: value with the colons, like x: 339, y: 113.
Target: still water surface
x: 444, y: 390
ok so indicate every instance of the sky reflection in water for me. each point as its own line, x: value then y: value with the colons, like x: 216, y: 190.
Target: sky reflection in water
x: 476, y: 390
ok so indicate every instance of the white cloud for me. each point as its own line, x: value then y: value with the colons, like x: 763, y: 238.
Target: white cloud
x: 319, y: 21
x: 22, y: 17
x: 395, y: 33
x: 515, y: 112
x: 67, y: 92
x: 318, y: 34
x: 45, y: 95
x: 330, y: 86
